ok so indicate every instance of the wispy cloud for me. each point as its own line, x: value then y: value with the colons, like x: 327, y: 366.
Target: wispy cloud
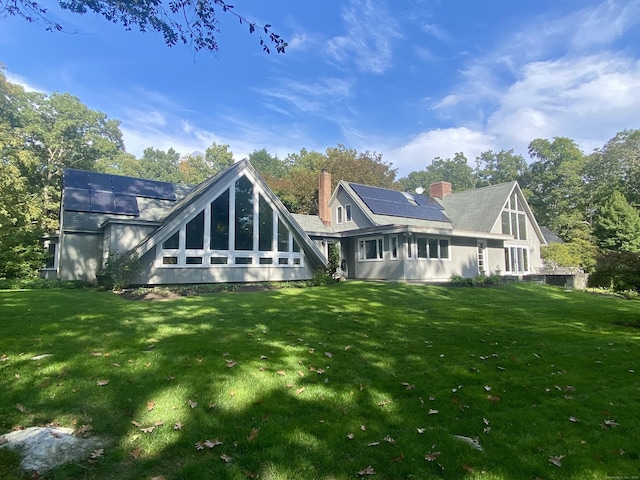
x: 23, y: 82
x: 371, y: 32
x: 309, y: 97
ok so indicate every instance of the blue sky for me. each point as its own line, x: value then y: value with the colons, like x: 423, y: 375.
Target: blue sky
x: 411, y: 79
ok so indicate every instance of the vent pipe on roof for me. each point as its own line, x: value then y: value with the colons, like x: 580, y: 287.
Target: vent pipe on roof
x: 324, y: 194
x: 440, y: 189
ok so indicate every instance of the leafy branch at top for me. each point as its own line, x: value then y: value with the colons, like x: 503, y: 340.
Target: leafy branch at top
x: 190, y: 22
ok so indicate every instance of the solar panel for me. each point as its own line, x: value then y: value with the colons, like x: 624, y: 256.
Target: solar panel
x: 75, y: 178
x: 126, y: 204
x: 164, y: 191
x: 144, y: 188
x: 100, y: 182
x: 397, y: 204
x: 102, y: 202
x: 77, y: 199
x: 124, y: 185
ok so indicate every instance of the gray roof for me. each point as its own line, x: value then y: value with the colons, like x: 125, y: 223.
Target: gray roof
x: 477, y: 209
x: 311, y: 223
x: 549, y: 236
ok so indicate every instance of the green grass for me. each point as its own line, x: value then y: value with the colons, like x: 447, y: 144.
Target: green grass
x: 371, y: 361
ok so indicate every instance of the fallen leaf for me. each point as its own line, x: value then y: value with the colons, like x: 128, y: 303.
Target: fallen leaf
x: 367, y: 471
x: 82, y: 430
x: 97, y: 453
x: 420, y: 430
x: 148, y: 364
x: 22, y: 408
x: 192, y: 404
x: 282, y: 373
x: 487, y: 388
x: 328, y: 354
x: 493, y: 399
x: 485, y: 421
x: 609, y: 424
x: 148, y: 429
x: 212, y: 443
x: 226, y: 458
x: 133, y: 422
x: 151, y: 406
x: 350, y: 436
x: 373, y: 444
x: 231, y: 363
x: 117, y: 365
x: 252, y: 436
x: 467, y: 468
x: 264, y: 357
x: 433, y: 412
x: 430, y: 457
x: 102, y: 383
x: 170, y: 377
x: 573, y: 419
x: 408, y: 386
x: 347, y: 347
x: 389, y: 439
x: 557, y: 461
x: 136, y: 453
x: 363, y: 427
x: 300, y: 390
x: 96, y: 354
x: 177, y: 426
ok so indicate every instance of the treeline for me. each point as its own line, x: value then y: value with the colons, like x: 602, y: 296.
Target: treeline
x: 589, y: 199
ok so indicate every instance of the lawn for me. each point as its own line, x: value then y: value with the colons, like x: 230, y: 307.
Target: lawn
x: 353, y: 380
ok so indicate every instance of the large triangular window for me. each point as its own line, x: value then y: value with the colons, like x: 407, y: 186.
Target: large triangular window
x: 240, y: 226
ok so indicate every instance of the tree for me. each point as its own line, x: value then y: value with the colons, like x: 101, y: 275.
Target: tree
x: 555, y: 189
x: 194, y: 169
x: 454, y: 170
x: 617, y: 225
x: 494, y: 168
x: 267, y: 165
x: 157, y: 164
x: 190, y: 22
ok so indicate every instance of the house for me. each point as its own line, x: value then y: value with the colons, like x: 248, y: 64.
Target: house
x: 391, y: 235
x: 232, y: 228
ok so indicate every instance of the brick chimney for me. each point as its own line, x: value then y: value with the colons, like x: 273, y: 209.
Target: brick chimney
x: 324, y: 194
x: 440, y: 189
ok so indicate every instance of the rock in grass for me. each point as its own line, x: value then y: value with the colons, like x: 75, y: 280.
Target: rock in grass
x: 44, y: 448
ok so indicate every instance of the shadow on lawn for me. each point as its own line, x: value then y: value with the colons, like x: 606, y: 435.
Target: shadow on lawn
x: 370, y: 340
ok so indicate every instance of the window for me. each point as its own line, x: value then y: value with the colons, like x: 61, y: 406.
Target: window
x: 347, y: 212
x: 219, y: 237
x: 239, y: 227
x: 431, y: 248
x: 393, y: 247
x: 516, y: 260
x: 514, y: 221
x: 339, y: 215
x: 244, y: 214
x: 370, y: 249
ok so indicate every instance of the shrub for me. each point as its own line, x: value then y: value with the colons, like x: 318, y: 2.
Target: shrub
x: 618, y: 271
x: 118, y: 270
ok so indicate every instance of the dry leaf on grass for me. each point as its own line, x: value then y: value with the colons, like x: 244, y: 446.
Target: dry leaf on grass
x: 557, y: 461
x: 252, y: 436
x: 151, y: 406
x: 212, y: 443
x: 367, y: 471
x: 102, y: 383
x: 430, y: 457
x: 136, y: 453
x: 97, y: 453
x: 177, y: 426
x: 226, y: 458
x: 22, y: 408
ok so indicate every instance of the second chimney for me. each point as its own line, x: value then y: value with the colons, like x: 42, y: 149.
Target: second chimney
x: 440, y: 189
x: 324, y: 194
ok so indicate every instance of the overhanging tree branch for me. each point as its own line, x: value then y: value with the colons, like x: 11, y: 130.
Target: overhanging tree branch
x: 190, y: 22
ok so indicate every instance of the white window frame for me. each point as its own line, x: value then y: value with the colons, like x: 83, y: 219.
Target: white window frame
x: 254, y: 257
x: 394, y: 247
x: 413, y: 248
x: 517, y: 260
x: 515, y: 210
x: 347, y: 213
x: 339, y: 214
x: 362, y: 249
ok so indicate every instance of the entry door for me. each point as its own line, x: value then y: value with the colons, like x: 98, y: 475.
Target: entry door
x: 482, y: 268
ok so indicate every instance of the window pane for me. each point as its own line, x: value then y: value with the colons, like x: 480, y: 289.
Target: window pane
x: 220, y: 222
x: 194, y: 260
x: 244, y: 260
x: 422, y: 247
x: 514, y: 224
x: 266, y: 261
x: 347, y: 209
x: 219, y: 260
x: 380, y: 249
x: 169, y: 260
x: 283, y: 261
x: 394, y: 247
x: 339, y: 215
x: 506, y: 229
x: 433, y: 248
x: 283, y: 237
x: 444, y: 248
x: 522, y: 226
x: 513, y: 201
x: 507, y: 262
x: 244, y: 214
x: 410, y: 247
x: 265, y: 232
x: 296, y: 247
x: 51, y: 255
x: 195, y: 232
x: 370, y: 249
x: 173, y: 242
x: 525, y: 255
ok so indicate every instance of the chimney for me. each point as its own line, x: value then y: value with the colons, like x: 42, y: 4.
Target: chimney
x: 440, y: 189
x: 324, y: 194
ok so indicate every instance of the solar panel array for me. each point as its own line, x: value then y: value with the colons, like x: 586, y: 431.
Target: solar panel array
x: 103, y: 193
x: 398, y: 204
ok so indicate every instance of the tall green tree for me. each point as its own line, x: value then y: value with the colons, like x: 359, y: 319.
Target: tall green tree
x: 156, y: 164
x: 617, y: 225
x: 454, y: 170
x: 194, y: 169
x: 555, y: 189
x: 268, y: 166
x: 504, y: 166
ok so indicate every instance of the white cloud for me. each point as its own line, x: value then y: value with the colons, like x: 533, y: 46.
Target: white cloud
x: 310, y: 97
x: 24, y: 83
x: 441, y: 142
x: 368, y: 43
